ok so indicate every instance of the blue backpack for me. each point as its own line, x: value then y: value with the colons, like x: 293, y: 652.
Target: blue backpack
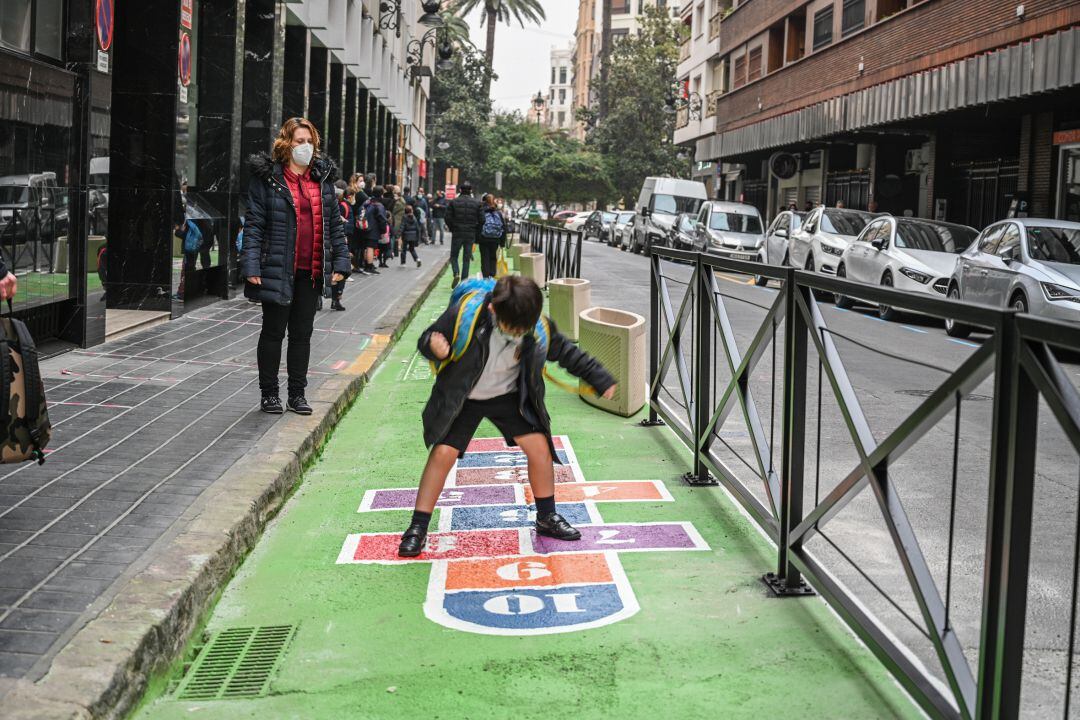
x: 192, y: 239
x: 493, y: 226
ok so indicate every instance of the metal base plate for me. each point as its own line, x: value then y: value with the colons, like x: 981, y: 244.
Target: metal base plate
x: 692, y: 479
x: 779, y: 588
x: 651, y: 423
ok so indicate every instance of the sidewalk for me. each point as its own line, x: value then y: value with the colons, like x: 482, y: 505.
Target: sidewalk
x: 160, y: 476
x: 657, y: 612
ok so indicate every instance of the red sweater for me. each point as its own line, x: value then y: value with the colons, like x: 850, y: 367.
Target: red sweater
x: 307, y: 199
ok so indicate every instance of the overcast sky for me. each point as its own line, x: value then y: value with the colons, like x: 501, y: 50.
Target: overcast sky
x: 523, y: 55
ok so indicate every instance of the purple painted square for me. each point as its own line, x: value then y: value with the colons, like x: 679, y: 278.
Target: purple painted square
x: 405, y: 498
x: 621, y: 537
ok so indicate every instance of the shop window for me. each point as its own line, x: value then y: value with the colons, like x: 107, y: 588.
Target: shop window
x: 854, y: 17
x: 15, y: 24
x: 822, y: 28
x: 754, y: 69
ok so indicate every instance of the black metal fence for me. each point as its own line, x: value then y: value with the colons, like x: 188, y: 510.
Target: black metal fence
x: 561, y: 248
x: 700, y: 378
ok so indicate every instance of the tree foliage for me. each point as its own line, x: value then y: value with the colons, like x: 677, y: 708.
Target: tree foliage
x: 635, y: 135
x: 458, y: 113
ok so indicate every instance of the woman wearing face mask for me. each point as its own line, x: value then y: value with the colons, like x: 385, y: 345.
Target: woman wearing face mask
x: 294, y: 250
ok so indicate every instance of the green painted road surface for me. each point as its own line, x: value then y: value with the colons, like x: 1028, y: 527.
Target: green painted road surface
x: 706, y: 641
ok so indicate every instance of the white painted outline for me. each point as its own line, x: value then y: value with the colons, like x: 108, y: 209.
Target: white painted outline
x: 605, y: 553
x: 525, y: 546
x: 446, y: 515
x: 434, y: 611
x: 567, y: 447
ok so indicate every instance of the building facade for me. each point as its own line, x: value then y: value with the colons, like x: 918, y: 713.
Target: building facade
x: 121, y: 119
x: 946, y: 109
x: 560, y: 102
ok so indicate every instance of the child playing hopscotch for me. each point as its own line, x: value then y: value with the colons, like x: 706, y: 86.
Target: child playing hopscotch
x: 489, y: 350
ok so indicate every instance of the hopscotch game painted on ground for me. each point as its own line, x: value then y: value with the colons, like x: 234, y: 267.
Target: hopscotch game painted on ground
x: 492, y: 574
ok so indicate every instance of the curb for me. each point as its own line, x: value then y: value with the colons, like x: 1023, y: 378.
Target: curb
x: 105, y: 668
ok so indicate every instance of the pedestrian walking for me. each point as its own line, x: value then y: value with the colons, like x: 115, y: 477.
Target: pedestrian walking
x: 489, y: 350
x: 463, y: 216
x: 438, y: 216
x: 492, y: 236
x: 293, y: 247
x: 373, y: 225
x: 386, y: 199
x: 410, y: 231
x: 349, y: 227
x: 430, y: 220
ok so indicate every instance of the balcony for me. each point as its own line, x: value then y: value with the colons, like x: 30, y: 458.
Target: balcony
x: 684, y: 51
x: 714, y: 26
x: 710, y: 102
x: 682, y: 119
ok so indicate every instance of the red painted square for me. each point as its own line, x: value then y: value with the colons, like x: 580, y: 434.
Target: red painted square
x: 499, y: 445
x: 382, y: 547
x: 507, y: 476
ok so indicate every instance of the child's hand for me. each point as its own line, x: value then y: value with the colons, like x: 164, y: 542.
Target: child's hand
x: 609, y: 393
x: 440, y: 348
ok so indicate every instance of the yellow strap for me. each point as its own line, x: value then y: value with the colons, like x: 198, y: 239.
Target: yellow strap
x: 574, y: 389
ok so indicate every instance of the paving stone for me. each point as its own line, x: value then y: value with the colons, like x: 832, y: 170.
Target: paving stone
x: 16, y: 664
x: 38, y: 620
x: 21, y: 641
x: 66, y: 601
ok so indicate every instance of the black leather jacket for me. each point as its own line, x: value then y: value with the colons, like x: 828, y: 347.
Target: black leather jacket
x: 456, y: 381
x: 464, y: 217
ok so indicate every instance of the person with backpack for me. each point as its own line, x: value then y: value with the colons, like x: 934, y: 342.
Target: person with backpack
x: 373, y: 224
x: 464, y: 217
x: 387, y: 200
x: 396, y: 212
x: 409, y: 234
x: 488, y: 351
x: 294, y: 248
x: 492, y: 236
x: 341, y: 190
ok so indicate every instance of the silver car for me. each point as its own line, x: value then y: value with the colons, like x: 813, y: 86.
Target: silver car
x: 907, y: 253
x: 1030, y: 264
x: 621, y: 231
x: 776, y: 237
x: 824, y: 237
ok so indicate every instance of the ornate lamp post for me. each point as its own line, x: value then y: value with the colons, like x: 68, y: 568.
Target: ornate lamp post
x: 538, y: 103
x: 415, y: 53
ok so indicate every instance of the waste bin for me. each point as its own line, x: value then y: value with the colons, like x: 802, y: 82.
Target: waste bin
x: 516, y: 251
x: 617, y: 339
x: 532, y: 266
x: 567, y: 297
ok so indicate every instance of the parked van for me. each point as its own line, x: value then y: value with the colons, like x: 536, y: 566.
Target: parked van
x: 660, y: 201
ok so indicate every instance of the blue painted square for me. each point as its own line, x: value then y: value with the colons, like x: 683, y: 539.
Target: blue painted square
x: 525, y: 610
x: 511, y: 516
x: 501, y: 459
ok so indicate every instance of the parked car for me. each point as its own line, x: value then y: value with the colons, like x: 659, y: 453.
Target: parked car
x: 32, y: 208
x: 824, y: 237
x: 563, y: 215
x: 660, y: 201
x: 776, y: 237
x: 620, y: 231
x: 577, y: 221
x: 1030, y: 264
x: 683, y: 234
x: 907, y: 253
x: 731, y: 229
x: 598, y: 225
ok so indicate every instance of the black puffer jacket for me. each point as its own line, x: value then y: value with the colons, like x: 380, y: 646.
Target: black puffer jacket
x: 464, y: 217
x: 270, y: 230
x: 456, y: 381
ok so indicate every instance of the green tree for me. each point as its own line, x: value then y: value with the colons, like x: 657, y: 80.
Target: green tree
x: 496, y: 11
x: 634, y: 134
x: 457, y: 115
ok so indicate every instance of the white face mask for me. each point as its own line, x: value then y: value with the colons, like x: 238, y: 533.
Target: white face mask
x: 362, y: 185
x: 340, y: 193
x: 301, y: 154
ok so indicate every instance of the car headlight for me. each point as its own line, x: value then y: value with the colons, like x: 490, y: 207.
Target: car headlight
x: 830, y: 250
x: 1060, y: 292
x: 919, y: 277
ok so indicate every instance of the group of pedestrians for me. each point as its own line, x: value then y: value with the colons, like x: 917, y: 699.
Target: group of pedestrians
x: 475, y: 221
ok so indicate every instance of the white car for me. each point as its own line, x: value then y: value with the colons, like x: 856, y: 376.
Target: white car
x: 823, y: 238
x: 906, y: 253
x: 577, y: 221
x: 776, y: 237
x: 620, y: 233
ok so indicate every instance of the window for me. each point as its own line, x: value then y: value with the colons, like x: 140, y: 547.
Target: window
x: 1054, y: 244
x: 754, y: 69
x: 49, y: 28
x: 15, y: 24
x: 562, y: 97
x: 739, y: 78
x: 988, y: 243
x: 922, y: 235
x: 822, y: 28
x: 699, y: 20
x: 1010, y: 242
x: 620, y: 7
x: 562, y: 118
x: 552, y: 74
x: 871, y: 232
x: 562, y: 75
x: 854, y: 16
x: 735, y: 222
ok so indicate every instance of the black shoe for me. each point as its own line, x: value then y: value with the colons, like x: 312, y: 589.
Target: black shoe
x: 418, y: 263
x: 554, y: 526
x: 272, y: 404
x: 299, y: 405
x: 372, y: 271
x: 454, y: 283
x: 413, y: 541
x: 337, y: 306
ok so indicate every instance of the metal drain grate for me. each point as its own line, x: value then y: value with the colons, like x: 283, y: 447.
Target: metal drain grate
x: 236, y: 663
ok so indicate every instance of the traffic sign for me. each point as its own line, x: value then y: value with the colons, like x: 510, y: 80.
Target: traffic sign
x: 103, y: 23
x: 185, y: 13
x: 451, y: 192
x: 184, y: 59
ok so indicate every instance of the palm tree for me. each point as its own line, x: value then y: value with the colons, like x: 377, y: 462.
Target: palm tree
x: 496, y: 11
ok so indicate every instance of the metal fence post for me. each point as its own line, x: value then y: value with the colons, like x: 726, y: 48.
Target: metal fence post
x: 703, y: 333
x: 577, y: 258
x: 1008, y: 530
x: 654, y: 337
x: 787, y: 580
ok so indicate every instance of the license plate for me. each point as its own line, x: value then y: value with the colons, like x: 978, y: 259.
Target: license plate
x: 742, y: 256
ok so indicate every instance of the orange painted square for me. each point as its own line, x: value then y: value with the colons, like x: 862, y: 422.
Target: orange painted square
x: 602, y: 492
x: 529, y: 570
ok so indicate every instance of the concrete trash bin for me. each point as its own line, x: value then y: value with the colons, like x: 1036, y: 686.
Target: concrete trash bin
x: 617, y: 339
x: 515, y: 253
x: 567, y: 297
x: 532, y: 266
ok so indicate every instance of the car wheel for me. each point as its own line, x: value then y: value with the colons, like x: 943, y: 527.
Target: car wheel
x: 952, y: 327
x: 843, y: 301
x: 818, y: 294
x: 887, y: 312
x: 1019, y: 303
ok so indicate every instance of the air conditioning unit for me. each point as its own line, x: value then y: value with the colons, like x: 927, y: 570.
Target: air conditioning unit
x: 917, y: 160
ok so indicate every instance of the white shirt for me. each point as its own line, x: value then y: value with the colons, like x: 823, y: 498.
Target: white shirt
x: 500, y: 373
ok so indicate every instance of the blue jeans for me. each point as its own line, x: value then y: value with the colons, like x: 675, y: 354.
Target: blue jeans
x: 440, y: 227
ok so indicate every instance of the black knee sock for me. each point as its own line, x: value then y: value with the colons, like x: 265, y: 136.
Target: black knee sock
x: 420, y: 518
x: 545, y: 506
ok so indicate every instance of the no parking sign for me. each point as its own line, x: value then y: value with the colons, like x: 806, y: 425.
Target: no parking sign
x: 103, y: 22
x: 184, y: 59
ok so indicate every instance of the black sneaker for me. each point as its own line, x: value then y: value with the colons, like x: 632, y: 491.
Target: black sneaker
x: 554, y: 526
x: 272, y: 404
x: 299, y: 405
x: 412, y: 541
x: 418, y: 263
x: 454, y: 283
x: 372, y: 270
x: 337, y: 306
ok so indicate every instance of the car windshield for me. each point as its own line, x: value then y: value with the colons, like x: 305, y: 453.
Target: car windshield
x: 1054, y: 244
x: 674, y: 204
x: 933, y: 236
x: 608, y: 217
x: 735, y: 222
x: 12, y: 194
x: 686, y: 223
x: 844, y: 222
x: 797, y: 219
x: 624, y: 217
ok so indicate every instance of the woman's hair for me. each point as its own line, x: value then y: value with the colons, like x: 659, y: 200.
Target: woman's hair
x: 283, y: 143
x: 408, y: 210
x: 488, y: 199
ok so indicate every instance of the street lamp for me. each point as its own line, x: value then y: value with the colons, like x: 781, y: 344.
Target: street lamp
x: 414, y: 53
x: 538, y: 103
x: 431, y: 17
x: 443, y: 145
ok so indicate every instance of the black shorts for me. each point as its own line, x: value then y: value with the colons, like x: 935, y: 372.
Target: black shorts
x: 502, y: 411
